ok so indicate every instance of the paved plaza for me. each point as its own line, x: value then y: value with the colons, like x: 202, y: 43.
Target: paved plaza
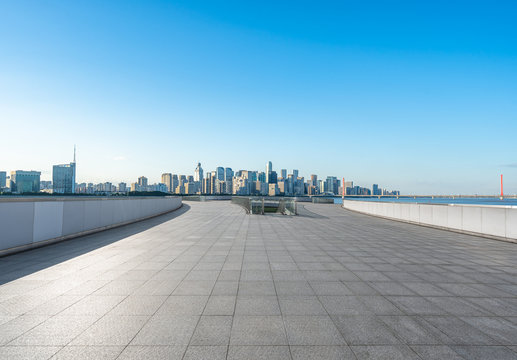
x: 210, y: 282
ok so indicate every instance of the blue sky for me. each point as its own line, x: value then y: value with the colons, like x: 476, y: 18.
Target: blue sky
x: 415, y: 96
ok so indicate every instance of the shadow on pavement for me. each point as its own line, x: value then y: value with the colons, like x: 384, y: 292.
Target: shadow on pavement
x: 18, y: 265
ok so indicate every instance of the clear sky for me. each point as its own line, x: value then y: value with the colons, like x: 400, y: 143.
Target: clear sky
x: 417, y: 96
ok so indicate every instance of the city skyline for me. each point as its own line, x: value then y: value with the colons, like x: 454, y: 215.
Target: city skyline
x: 222, y: 180
x: 47, y: 177
x: 420, y: 97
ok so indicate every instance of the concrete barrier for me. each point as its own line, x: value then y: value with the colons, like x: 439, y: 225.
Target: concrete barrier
x: 494, y: 221
x: 31, y: 222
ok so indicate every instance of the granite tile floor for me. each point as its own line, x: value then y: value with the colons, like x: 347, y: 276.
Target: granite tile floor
x: 210, y: 282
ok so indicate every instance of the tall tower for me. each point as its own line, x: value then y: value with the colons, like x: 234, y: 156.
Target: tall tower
x: 198, y: 173
x: 269, y: 169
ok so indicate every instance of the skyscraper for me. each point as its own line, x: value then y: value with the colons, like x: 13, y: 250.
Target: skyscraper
x: 314, y: 180
x: 283, y: 173
x: 219, y: 173
x: 295, y: 174
x: 198, y: 173
x: 375, y: 190
x: 63, y: 178
x: 228, y: 174
x: 3, y: 177
x: 167, y: 180
x: 269, y: 169
x: 175, y: 182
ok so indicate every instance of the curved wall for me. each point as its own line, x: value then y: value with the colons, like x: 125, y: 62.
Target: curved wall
x: 31, y: 222
x: 493, y: 221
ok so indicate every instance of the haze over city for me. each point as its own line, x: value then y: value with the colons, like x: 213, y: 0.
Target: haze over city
x: 416, y: 97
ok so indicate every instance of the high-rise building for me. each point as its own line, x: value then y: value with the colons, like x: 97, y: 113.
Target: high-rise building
x: 3, y: 178
x: 375, y: 190
x: 295, y: 174
x: 273, y: 177
x: 122, y: 187
x: 25, y: 181
x: 175, y: 183
x: 198, y: 173
x: 142, y: 182
x: 63, y: 178
x: 269, y: 169
x: 332, y: 185
x: 283, y: 173
x: 167, y: 180
x: 228, y: 174
x: 273, y: 190
x: 219, y: 173
x: 314, y: 180
x: 262, y: 177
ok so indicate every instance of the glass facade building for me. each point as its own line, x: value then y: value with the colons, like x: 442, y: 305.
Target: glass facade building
x: 63, y: 179
x: 25, y: 181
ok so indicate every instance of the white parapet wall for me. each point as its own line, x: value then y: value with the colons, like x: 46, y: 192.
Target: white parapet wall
x: 486, y: 220
x: 31, y: 222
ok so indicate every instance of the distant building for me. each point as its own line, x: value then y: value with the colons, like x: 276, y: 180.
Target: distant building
x: 273, y: 178
x: 45, y: 185
x: 273, y: 190
x: 228, y: 174
x: 25, y: 181
x: 269, y: 170
x: 122, y: 187
x: 167, y: 180
x: 375, y: 190
x: 314, y: 180
x: 3, y: 178
x: 63, y: 178
x: 332, y: 185
x: 283, y: 173
x: 219, y: 171
x: 198, y: 173
x: 142, y: 183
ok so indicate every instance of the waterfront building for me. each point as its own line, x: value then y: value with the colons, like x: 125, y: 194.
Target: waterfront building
x: 220, y: 173
x: 198, y: 173
x: 332, y: 185
x: 167, y: 180
x: 228, y: 186
x: 375, y: 190
x: 63, y: 178
x: 25, y: 181
x: 281, y: 187
x: 228, y: 174
x: 45, y: 185
x: 299, y: 187
x: 206, y: 184
x: 122, y: 187
x: 3, y: 178
x: 142, y: 183
x: 314, y: 180
x: 283, y: 173
x: 273, y: 190
x: 269, y: 170
x: 175, y: 182
x: 272, y: 178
